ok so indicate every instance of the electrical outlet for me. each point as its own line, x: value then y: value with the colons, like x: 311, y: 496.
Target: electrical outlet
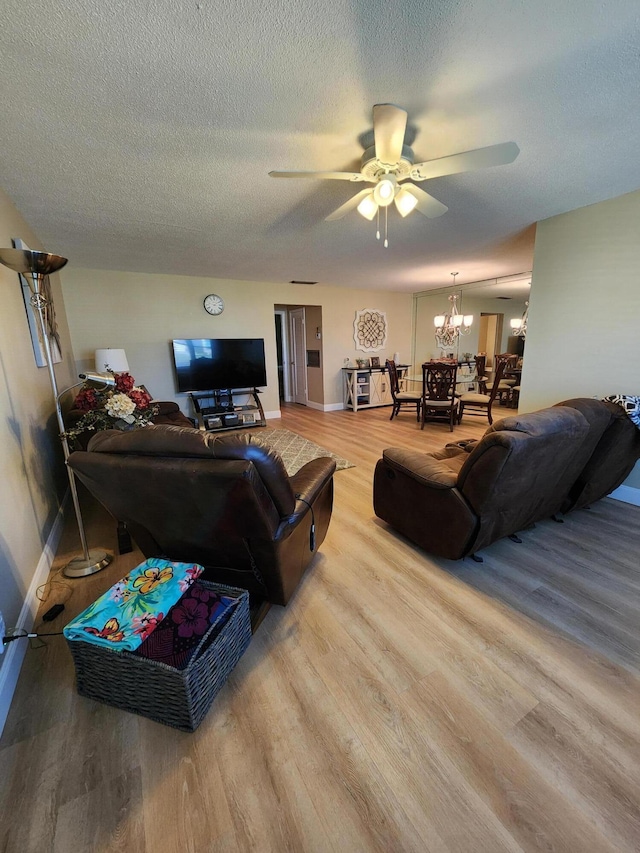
x: 2, y: 633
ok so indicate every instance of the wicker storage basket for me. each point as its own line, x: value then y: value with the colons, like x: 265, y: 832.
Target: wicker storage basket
x: 176, y: 697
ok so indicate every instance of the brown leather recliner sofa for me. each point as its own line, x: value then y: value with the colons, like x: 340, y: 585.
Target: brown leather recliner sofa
x: 525, y: 468
x: 225, y: 502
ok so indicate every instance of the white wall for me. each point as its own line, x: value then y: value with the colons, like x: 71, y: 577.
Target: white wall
x: 33, y: 478
x: 584, y: 315
x: 142, y: 313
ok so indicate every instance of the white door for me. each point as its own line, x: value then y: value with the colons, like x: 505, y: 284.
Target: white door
x: 298, y: 353
x: 286, y: 372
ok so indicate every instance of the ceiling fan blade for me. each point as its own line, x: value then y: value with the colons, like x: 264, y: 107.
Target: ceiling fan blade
x: 389, y: 126
x: 332, y: 176
x: 467, y: 161
x: 347, y: 206
x: 427, y: 204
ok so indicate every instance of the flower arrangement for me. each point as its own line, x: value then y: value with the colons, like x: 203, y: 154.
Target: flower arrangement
x: 121, y: 406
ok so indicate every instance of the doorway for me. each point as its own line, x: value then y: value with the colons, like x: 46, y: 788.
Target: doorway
x: 280, y: 320
x: 490, y: 336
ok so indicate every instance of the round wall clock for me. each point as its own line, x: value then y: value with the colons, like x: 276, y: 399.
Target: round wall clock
x: 213, y: 304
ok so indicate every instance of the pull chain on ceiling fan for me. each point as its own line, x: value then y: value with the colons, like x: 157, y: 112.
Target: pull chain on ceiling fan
x: 389, y: 162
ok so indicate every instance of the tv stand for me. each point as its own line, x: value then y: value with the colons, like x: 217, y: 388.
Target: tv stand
x: 216, y: 410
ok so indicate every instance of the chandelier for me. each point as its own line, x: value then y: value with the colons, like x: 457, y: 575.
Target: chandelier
x: 450, y: 326
x: 519, y: 325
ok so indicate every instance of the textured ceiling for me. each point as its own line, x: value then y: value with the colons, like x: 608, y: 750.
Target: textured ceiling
x: 139, y: 135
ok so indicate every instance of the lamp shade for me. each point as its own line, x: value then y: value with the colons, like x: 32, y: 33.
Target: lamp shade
x: 405, y: 202
x: 111, y: 359
x: 367, y: 207
x: 385, y: 190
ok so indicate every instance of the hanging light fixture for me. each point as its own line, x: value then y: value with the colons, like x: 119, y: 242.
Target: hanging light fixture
x: 450, y: 326
x: 386, y: 191
x: 519, y: 325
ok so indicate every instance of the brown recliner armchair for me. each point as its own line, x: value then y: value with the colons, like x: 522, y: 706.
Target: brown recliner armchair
x: 225, y: 502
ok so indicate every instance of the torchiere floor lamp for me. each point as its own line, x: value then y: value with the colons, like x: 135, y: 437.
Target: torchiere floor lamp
x: 35, y: 267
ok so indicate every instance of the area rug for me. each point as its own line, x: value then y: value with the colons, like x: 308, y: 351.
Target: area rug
x: 295, y: 450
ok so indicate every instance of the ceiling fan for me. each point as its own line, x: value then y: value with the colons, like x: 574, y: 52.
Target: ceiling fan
x: 389, y: 162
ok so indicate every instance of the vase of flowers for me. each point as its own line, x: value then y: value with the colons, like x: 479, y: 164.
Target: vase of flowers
x: 123, y: 405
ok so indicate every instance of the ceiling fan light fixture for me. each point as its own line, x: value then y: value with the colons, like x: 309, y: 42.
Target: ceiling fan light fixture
x: 367, y: 207
x: 405, y: 202
x: 385, y: 190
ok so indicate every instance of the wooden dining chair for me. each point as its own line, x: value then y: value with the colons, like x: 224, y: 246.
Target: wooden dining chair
x: 401, y: 398
x: 473, y: 403
x: 481, y: 374
x: 439, y: 400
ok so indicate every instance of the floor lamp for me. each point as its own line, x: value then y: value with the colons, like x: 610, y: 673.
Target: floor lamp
x: 35, y: 267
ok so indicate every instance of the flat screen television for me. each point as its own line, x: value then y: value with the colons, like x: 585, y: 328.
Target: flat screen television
x: 207, y: 364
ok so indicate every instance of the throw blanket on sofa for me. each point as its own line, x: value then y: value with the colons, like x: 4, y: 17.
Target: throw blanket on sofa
x: 127, y: 613
x: 631, y: 405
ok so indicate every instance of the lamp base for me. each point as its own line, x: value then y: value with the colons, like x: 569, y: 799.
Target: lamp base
x: 79, y: 567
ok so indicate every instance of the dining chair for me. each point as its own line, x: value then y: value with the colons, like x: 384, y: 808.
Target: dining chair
x: 439, y: 400
x: 400, y: 398
x: 481, y: 372
x: 475, y: 403
x: 506, y: 383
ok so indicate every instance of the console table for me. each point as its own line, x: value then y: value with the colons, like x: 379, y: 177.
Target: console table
x: 217, y: 410
x: 367, y: 387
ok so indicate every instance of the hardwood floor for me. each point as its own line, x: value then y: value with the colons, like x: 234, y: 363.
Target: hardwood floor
x: 399, y: 703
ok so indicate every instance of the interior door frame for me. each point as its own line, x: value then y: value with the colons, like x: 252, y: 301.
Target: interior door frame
x: 286, y: 355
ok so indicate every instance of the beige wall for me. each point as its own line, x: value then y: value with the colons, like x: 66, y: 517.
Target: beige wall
x: 584, y: 315
x: 33, y: 478
x: 142, y: 313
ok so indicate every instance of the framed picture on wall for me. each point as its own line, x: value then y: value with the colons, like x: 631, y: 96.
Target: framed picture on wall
x: 375, y: 361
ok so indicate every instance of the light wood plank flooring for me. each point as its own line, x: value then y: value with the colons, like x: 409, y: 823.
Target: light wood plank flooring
x: 399, y: 703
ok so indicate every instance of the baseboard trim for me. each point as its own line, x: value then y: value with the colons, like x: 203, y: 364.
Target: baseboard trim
x: 276, y: 413
x: 626, y: 494
x: 15, y: 652
x: 325, y: 407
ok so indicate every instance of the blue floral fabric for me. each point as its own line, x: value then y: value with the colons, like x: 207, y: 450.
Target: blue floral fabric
x: 127, y: 613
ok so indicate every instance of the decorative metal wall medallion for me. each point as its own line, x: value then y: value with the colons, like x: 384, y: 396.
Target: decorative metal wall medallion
x: 370, y: 330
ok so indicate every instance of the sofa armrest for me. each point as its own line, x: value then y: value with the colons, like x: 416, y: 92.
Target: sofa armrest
x: 309, y: 481
x: 421, y: 467
x: 313, y: 491
x: 466, y: 444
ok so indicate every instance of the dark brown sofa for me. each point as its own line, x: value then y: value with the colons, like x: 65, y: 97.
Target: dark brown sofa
x: 226, y: 502
x: 168, y: 413
x: 614, y: 455
x: 525, y: 468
